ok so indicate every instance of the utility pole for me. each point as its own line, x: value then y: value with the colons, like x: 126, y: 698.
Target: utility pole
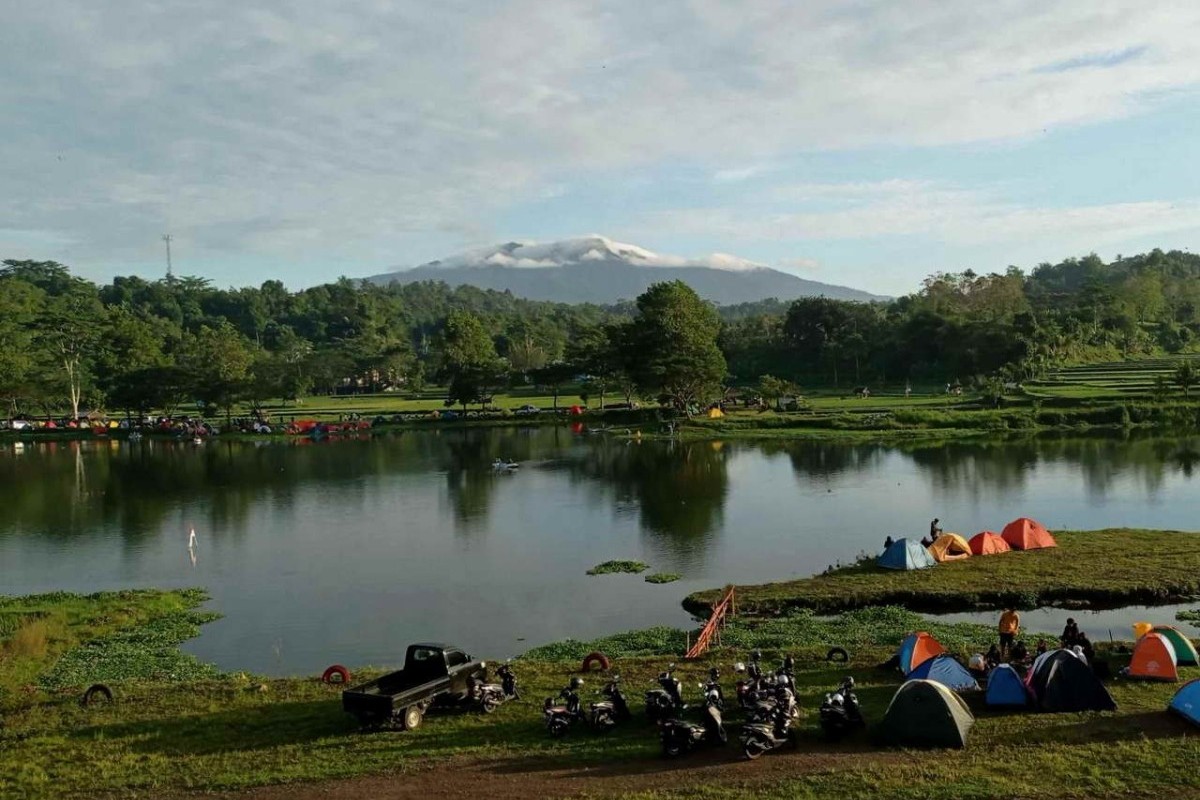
x: 166, y: 237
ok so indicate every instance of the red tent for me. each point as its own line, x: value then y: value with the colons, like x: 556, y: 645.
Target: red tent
x: 1027, y: 534
x: 988, y: 543
x: 576, y: 410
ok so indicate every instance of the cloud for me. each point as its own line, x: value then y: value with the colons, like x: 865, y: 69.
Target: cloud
x: 324, y: 131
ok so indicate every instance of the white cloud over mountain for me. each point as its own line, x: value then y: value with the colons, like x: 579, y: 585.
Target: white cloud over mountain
x: 594, y: 248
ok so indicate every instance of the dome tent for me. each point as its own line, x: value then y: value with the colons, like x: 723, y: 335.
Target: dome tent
x: 949, y: 547
x: 946, y: 670
x: 925, y: 714
x: 1185, y: 651
x: 1060, y: 681
x: 1186, y: 702
x: 1005, y: 689
x: 1027, y: 534
x: 905, y: 554
x: 916, y: 649
x: 987, y: 543
x: 1153, y: 659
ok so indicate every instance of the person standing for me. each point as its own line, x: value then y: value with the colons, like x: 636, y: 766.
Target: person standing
x: 1010, y: 626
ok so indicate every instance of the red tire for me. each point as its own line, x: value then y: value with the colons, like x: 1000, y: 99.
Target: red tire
x: 596, y: 657
x: 337, y: 671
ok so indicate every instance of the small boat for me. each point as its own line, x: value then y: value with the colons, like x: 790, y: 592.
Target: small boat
x: 505, y: 466
x: 135, y: 436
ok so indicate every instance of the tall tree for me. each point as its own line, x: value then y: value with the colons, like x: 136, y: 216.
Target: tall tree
x: 69, y: 332
x: 219, y: 360
x: 672, y: 349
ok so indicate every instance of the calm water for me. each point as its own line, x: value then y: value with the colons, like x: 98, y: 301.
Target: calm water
x: 346, y: 551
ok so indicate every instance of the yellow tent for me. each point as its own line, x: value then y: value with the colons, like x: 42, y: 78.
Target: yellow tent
x: 950, y: 547
x: 715, y: 413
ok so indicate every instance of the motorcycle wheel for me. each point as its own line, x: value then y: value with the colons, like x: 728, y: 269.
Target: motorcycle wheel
x: 753, y: 749
x: 489, y: 705
x: 558, y: 730
x: 672, y: 749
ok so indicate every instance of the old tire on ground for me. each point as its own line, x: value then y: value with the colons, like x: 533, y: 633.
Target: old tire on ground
x: 336, y: 674
x: 411, y: 717
x: 597, y: 657
x: 838, y: 654
x: 94, y: 691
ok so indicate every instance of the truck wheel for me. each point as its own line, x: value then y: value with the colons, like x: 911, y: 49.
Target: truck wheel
x: 412, y: 718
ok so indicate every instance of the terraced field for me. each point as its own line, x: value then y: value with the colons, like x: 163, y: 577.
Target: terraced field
x: 1112, y: 380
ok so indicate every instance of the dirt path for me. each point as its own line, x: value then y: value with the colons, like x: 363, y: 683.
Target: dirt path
x: 524, y: 778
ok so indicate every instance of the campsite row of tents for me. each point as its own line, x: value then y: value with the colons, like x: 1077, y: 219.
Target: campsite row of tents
x: 927, y: 712
x: 1020, y: 534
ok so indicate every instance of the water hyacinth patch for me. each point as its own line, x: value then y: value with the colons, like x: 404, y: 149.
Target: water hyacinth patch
x: 611, y: 567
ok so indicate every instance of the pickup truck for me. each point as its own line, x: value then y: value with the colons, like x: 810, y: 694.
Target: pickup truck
x: 433, y: 674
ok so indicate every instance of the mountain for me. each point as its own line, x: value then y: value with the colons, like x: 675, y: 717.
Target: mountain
x: 595, y: 269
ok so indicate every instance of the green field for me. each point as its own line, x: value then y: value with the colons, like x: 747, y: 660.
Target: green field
x: 1110, y: 381
x: 1106, y: 568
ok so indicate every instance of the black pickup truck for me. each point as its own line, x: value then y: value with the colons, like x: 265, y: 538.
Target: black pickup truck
x: 433, y: 673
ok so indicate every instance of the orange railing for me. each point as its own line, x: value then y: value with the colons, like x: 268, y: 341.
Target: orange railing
x: 712, y: 629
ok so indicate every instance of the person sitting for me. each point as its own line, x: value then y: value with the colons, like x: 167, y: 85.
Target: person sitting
x: 934, y: 529
x: 993, y: 656
x: 887, y: 543
x: 1019, y: 654
x: 1041, y: 646
x: 926, y: 542
x: 1070, y: 634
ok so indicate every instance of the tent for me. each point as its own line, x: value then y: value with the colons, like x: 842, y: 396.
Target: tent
x: 925, y: 714
x: 1027, y: 534
x: 1005, y: 688
x: 1060, y: 681
x: 1153, y: 659
x: 1186, y: 702
x: 950, y: 547
x: 715, y: 412
x: 947, y: 671
x: 987, y: 543
x: 905, y: 554
x: 916, y: 649
x: 1185, y: 651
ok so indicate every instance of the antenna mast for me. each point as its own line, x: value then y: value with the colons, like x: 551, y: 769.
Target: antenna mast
x: 166, y: 237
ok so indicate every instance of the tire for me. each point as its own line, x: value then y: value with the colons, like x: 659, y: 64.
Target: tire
x: 94, y: 691
x: 597, y: 657
x: 338, y: 672
x: 837, y: 654
x: 672, y: 749
x: 489, y: 705
x: 753, y: 749
x: 411, y: 717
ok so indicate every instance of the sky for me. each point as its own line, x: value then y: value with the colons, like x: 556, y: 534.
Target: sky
x: 855, y: 142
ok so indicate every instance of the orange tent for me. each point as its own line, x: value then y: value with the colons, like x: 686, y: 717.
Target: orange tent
x: 916, y: 649
x: 950, y: 547
x: 988, y: 543
x: 1027, y: 534
x: 1153, y: 659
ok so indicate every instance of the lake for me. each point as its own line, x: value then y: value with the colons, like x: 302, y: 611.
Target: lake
x: 345, y: 551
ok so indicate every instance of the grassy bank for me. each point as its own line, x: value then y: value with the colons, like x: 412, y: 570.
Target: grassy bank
x: 1097, y: 569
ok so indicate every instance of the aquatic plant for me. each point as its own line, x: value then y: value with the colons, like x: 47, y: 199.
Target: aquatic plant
x: 609, y: 567
x: 662, y: 577
x: 1192, y: 616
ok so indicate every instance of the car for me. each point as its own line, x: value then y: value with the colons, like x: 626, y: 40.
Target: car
x: 528, y: 409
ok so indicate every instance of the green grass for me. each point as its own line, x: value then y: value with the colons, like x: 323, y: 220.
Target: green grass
x: 613, y: 567
x: 170, y: 737
x: 1192, y: 616
x: 663, y: 577
x: 1106, y: 568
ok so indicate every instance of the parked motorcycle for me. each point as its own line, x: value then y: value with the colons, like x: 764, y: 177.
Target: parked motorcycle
x: 508, y: 681
x: 751, y: 688
x: 560, y: 716
x: 667, y: 700
x: 605, y: 714
x: 761, y: 736
x: 680, y: 736
x: 840, y: 712
x: 487, y: 696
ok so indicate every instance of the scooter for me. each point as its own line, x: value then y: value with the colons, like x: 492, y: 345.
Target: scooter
x: 750, y: 688
x: 840, y: 712
x: 605, y: 714
x: 667, y: 700
x: 487, y: 696
x: 559, y: 717
x: 508, y: 681
x: 680, y: 736
x: 762, y: 736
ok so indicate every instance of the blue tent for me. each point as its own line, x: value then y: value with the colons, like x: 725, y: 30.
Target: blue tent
x: 1005, y: 688
x: 1186, y: 702
x: 947, y: 671
x: 905, y: 554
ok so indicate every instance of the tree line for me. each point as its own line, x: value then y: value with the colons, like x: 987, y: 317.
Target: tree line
x: 67, y: 344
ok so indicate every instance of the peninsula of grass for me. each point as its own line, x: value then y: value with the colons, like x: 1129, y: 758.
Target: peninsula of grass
x: 662, y: 577
x: 177, y: 734
x: 1089, y: 569
x: 615, y: 567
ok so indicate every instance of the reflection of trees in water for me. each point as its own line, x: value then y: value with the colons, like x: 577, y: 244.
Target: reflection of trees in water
x: 823, y: 460
x: 678, y: 488
x: 467, y: 458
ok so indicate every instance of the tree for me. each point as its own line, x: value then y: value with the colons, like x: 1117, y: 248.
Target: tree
x: 20, y: 303
x: 772, y: 388
x: 553, y: 377
x: 672, y: 348
x: 68, y: 332
x: 469, y: 360
x: 219, y: 361
x: 1185, y: 377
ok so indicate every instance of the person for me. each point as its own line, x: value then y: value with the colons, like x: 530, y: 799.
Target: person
x: 993, y: 656
x: 926, y: 542
x: 1010, y: 626
x: 1019, y: 653
x: 1041, y: 646
x: 887, y: 543
x: 1070, y: 634
x: 1085, y: 646
x: 934, y: 530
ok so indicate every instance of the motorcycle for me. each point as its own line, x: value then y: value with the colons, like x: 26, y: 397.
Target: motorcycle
x: 487, y: 696
x: 508, y: 681
x: 559, y: 717
x: 605, y: 714
x: 680, y: 736
x: 840, y: 712
x: 751, y: 688
x: 667, y: 700
x: 761, y: 736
